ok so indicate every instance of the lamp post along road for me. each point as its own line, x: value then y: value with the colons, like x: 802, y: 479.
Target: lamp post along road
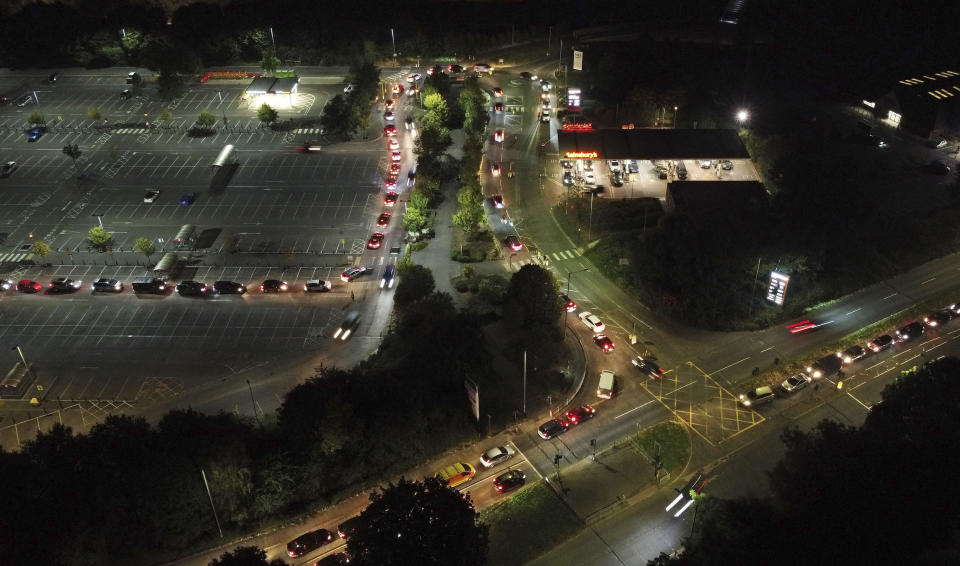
x: 566, y: 312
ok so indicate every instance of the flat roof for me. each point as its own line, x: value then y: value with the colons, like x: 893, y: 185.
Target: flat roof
x: 260, y: 85
x: 651, y: 144
x: 707, y: 195
x: 285, y: 85
x: 942, y: 86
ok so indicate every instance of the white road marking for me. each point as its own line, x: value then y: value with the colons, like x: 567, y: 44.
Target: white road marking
x: 729, y: 366
x: 633, y: 409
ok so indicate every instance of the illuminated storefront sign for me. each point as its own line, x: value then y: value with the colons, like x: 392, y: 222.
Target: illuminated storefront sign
x: 581, y: 155
x: 777, y: 290
x: 577, y: 126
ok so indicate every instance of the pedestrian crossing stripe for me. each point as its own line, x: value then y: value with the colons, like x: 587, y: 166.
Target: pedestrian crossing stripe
x: 132, y: 131
x: 567, y: 254
x: 6, y: 258
x: 308, y: 131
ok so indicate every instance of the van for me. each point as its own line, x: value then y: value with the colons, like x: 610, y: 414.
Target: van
x: 607, y: 382
x: 149, y: 285
x: 456, y: 474
x: 133, y: 78
x: 681, y: 170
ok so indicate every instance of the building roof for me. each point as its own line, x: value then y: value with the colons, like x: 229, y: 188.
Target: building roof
x: 651, y: 144
x: 260, y: 85
x: 699, y: 196
x: 285, y: 85
x: 943, y: 86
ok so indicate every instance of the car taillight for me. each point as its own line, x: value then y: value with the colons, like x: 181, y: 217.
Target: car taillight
x: 291, y: 553
x: 499, y: 487
x: 261, y: 287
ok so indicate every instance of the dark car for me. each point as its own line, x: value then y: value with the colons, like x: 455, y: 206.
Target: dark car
x: 337, y: 559
x: 352, y: 273
x: 53, y: 78
x: 317, y: 286
x: 513, y: 243
x: 34, y: 134
x: 375, y: 241
x: 604, y: 342
x: 909, y: 331
x: 108, y: 285
x: 125, y: 94
x: 349, y: 324
x: 24, y: 100
x: 568, y: 178
x: 938, y: 318
x: 938, y: 167
x: 455, y: 68
x: 347, y: 528
x: 7, y: 168
x: 229, y: 287
x: 29, y: 286
x: 661, y: 171
x: 310, y: 146
x: 569, y: 304
x: 497, y: 200
x: 498, y: 107
x: 390, y: 199
x: 580, y: 414
x: 647, y: 367
x: 726, y: 164
x: 274, y: 286
x: 187, y: 199
x: 390, y: 130
x: 880, y: 343
x: 195, y: 288
x: 528, y: 76
x: 617, y: 179
x: 552, y: 428
x: 310, y: 541
x: 411, y: 178
x: 389, y: 277
x: 63, y: 284
x: 852, y: 354
x: 509, y: 480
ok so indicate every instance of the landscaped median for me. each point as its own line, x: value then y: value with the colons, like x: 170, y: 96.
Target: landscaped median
x: 667, y: 445
x: 527, y: 525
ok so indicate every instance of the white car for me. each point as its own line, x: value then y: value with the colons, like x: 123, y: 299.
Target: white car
x: 614, y: 165
x: 8, y: 168
x: 795, y: 382
x: 414, y: 77
x: 590, y: 178
x: 151, y: 195
x: 496, y: 455
x: 592, y: 321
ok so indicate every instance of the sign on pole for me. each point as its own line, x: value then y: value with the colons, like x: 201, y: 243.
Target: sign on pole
x: 777, y: 290
x: 578, y: 60
x: 473, y: 395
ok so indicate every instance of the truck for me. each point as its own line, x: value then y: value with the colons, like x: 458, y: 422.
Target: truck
x: 149, y: 285
x: 827, y: 366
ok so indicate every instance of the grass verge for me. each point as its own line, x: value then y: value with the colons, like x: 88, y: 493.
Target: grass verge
x: 528, y: 524
x: 670, y: 441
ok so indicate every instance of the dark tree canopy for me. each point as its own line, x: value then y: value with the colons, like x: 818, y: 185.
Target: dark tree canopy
x: 416, y: 282
x: 413, y: 522
x: 878, y: 494
x: 246, y: 556
x: 532, y: 298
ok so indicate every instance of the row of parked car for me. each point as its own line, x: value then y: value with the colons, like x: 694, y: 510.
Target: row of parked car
x: 158, y: 285
x: 832, y: 365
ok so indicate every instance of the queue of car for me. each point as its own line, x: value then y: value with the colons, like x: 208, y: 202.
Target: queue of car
x: 832, y: 365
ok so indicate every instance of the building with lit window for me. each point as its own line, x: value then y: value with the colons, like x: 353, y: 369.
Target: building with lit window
x: 923, y: 104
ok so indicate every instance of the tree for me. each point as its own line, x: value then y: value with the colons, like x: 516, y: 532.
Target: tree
x: 73, y: 151
x: 166, y: 115
x: 337, y: 118
x: 36, y: 118
x: 93, y: 113
x: 99, y: 237
x: 432, y: 141
x: 533, y: 293
x: 246, y: 556
x: 470, y: 214
x: 267, y: 114
x: 416, y: 216
x: 269, y: 62
x: 41, y: 249
x: 144, y: 246
x: 415, y: 283
x: 413, y: 522
x: 206, y: 119
x: 169, y: 84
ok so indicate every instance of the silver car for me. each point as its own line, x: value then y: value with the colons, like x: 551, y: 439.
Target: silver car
x: 795, y: 382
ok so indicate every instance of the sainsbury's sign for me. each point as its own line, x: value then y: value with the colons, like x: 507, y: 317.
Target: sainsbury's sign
x: 581, y: 155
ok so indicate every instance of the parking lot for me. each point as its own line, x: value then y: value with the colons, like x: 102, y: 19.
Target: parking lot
x: 646, y: 182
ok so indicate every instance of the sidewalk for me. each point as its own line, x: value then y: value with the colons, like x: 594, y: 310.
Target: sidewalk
x: 436, y: 256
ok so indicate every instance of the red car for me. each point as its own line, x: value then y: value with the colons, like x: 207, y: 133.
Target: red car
x: 498, y: 200
x: 514, y: 243
x: 390, y: 184
x: 605, y: 343
x: 384, y: 220
x: 570, y: 305
x: 29, y: 286
x: 390, y: 199
x: 390, y: 130
x: 375, y: 241
x: 394, y: 168
x: 388, y: 103
x: 580, y: 414
x: 397, y: 89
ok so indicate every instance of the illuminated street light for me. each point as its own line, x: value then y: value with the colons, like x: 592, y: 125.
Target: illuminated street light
x: 743, y: 116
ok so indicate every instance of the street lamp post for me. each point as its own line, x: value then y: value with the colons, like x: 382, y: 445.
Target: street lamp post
x: 393, y: 40
x: 742, y: 116
x: 590, y: 224
x: 675, y: 114
x: 566, y: 312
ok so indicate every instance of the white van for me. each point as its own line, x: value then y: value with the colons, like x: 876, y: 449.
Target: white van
x: 606, y: 385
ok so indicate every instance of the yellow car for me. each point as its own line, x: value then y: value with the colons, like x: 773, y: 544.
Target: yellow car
x: 456, y: 474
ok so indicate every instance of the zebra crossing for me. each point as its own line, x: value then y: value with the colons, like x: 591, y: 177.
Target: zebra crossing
x: 308, y: 131
x: 567, y: 254
x: 132, y: 131
x: 15, y: 257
